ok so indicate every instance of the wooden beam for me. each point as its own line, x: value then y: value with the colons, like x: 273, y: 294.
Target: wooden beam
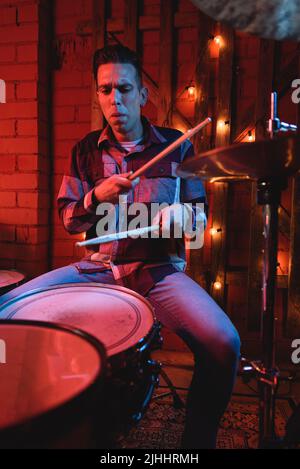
x: 202, y: 140
x: 293, y: 315
x: 164, y: 114
x: 262, y: 109
x: 99, y: 25
x: 223, y: 137
x: 145, y: 23
x: 131, y: 24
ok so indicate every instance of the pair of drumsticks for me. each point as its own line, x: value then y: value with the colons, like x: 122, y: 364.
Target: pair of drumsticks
x: 140, y: 231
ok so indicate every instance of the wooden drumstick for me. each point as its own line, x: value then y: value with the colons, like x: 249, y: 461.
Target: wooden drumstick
x: 116, y: 236
x: 188, y: 134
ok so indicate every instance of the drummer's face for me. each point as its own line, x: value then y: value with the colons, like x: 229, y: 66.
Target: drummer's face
x: 120, y: 98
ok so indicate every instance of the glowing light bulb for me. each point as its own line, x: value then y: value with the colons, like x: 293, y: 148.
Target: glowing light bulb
x: 218, y: 40
x: 214, y: 231
x: 250, y: 136
x: 217, y: 285
x: 191, y: 90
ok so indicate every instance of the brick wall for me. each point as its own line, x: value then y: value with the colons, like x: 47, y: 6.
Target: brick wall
x: 24, y: 144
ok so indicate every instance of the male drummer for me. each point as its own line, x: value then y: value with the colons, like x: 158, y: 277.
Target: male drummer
x: 98, y: 173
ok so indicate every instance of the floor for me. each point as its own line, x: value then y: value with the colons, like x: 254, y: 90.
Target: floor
x: 179, y: 368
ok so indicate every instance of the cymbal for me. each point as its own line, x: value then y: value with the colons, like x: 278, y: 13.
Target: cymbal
x: 272, y: 19
x: 265, y: 159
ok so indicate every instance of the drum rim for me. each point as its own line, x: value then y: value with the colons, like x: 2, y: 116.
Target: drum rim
x: 34, y: 291
x: 14, y: 283
x: 63, y: 407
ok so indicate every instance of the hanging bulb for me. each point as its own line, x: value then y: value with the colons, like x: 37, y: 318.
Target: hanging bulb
x: 191, y: 90
x: 250, y: 136
x: 217, y: 285
x: 214, y: 231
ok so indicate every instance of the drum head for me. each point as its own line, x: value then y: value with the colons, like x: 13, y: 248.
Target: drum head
x: 42, y: 367
x: 10, y: 277
x: 116, y: 316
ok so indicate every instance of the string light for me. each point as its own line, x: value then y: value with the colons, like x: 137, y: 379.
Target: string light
x: 250, y: 136
x: 217, y: 285
x: 191, y: 91
x: 218, y: 40
x: 214, y: 231
x: 221, y: 124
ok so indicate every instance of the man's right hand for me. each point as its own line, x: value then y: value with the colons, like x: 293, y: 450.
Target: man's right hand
x: 110, y: 189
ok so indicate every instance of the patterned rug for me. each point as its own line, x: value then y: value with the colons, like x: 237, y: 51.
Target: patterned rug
x: 162, y: 425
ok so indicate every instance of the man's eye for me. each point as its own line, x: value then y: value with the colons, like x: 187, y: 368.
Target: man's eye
x: 124, y: 89
x: 104, y: 90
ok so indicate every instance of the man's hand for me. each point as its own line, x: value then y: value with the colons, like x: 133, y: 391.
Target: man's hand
x: 176, y: 216
x: 111, y: 188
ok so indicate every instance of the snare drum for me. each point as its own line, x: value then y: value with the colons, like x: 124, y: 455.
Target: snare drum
x: 50, y: 381
x: 121, y: 319
x: 10, y: 279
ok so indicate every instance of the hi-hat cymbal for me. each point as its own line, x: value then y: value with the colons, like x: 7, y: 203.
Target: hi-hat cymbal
x: 265, y: 159
x: 272, y: 19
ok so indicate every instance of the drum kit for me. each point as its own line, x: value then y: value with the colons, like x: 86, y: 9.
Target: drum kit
x: 76, y: 358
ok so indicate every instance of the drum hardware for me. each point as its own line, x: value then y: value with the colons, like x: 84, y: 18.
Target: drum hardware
x: 269, y: 163
x: 274, y: 123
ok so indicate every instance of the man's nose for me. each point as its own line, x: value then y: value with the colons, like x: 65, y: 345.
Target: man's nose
x: 115, y: 96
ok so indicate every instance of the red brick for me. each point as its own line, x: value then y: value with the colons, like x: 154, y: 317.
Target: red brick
x: 21, y: 33
x: 7, y: 128
x: 60, y: 165
x: 28, y: 13
x: 27, y: 53
x: 65, y: 25
x: 17, y: 110
x: 63, y: 114
x: 27, y: 90
x: 68, y: 131
x: 19, y: 216
x: 28, y: 199
x: 62, y: 149
x: 23, y: 251
x: 58, y: 262
x: 67, y: 80
x: 7, y: 233
x: 19, y: 71
x: 27, y: 127
x: 32, y: 269
x: 19, y: 181
x: 19, y: 145
x: 32, y: 235
x: 7, y: 16
x: 9, y: 93
x: 28, y: 162
x: 67, y: 97
x: 7, y: 53
x: 84, y: 114
x: 64, y: 8
x: 63, y: 248
x: 7, y: 199
x: 7, y: 163
x: 33, y: 200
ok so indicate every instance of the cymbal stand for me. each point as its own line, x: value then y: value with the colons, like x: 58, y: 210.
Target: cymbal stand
x: 266, y: 372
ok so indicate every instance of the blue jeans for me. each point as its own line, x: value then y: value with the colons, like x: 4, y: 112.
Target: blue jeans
x: 185, y: 308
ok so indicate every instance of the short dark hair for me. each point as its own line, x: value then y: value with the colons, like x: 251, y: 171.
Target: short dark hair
x: 117, y: 54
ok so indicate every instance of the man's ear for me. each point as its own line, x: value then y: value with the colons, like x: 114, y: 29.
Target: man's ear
x: 144, y: 96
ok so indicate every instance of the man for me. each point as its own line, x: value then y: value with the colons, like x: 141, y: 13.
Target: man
x: 98, y: 174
